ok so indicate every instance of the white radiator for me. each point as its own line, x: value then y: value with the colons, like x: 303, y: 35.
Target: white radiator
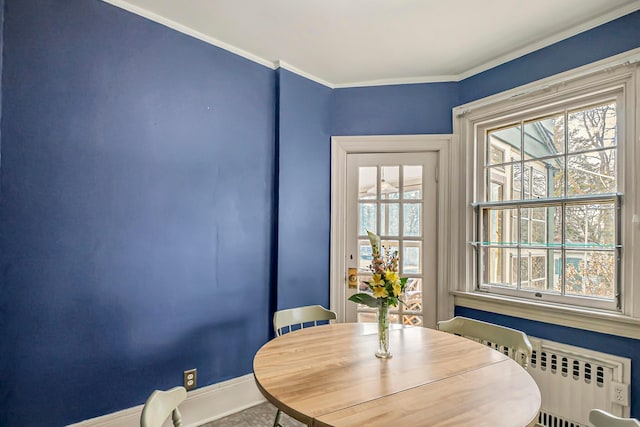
x: 574, y: 380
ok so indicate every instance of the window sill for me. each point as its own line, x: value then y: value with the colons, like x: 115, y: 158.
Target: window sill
x: 574, y: 317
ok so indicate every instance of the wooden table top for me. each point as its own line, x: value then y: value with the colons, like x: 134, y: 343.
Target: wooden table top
x: 329, y: 376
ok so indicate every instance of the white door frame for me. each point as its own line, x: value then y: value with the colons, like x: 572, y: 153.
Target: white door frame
x: 343, y: 145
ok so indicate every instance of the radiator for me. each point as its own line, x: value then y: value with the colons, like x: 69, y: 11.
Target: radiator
x: 574, y: 380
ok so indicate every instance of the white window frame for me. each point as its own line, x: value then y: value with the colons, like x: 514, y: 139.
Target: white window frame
x: 619, y: 73
x: 615, y: 93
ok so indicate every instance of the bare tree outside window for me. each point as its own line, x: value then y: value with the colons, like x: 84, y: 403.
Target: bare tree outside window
x: 564, y: 243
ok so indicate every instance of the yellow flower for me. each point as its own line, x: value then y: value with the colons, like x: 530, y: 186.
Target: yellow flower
x: 379, y: 292
x: 391, y: 276
x: 397, y: 288
x: 377, y: 280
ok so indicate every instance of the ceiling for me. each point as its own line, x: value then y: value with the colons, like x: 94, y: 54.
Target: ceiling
x: 343, y: 43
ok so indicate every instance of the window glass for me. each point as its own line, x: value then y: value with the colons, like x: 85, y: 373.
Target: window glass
x: 544, y: 137
x: 548, y: 222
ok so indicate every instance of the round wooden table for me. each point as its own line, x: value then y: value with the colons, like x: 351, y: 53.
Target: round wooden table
x: 329, y: 376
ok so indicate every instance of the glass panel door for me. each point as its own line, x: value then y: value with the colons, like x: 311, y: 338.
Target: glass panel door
x: 394, y: 196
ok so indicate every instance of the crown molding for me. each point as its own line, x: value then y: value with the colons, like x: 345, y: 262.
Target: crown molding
x: 400, y: 81
x: 548, y: 41
x: 614, y: 14
x: 289, y: 67
x: 189, y: 31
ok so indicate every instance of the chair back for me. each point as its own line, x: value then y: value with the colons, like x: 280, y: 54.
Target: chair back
x: 600, y: 418
x: 160, y: 405
x: 512, y: 342
x: 283, y: 320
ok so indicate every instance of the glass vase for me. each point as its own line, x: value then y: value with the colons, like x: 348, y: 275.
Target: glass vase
x: 383, y: 330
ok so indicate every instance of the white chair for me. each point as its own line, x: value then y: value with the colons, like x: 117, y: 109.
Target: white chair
x: 283, y: 320
x: 600, y: 418
x: 498, y: 337
x: 160, y: 405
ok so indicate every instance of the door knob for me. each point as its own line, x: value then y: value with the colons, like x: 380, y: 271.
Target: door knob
x: 352, y: 277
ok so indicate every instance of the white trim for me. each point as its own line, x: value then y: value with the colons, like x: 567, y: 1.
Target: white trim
x: 274, y: 64
x: 189, y: 31
x: 343, y: 145
x: 202, y: 405
x: 591, y: 320
x: 585, y: 26
x: 401, y: 81
x: 286, y: 66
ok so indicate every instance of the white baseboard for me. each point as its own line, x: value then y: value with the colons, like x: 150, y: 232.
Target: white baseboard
x: 202, y: 405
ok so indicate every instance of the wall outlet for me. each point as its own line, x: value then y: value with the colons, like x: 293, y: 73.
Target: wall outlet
x: 190, y: 378
x: 620, y: 393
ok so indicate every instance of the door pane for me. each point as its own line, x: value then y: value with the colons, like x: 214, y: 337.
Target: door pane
x: 367, y: 219
x: 391, y: 246
x: 390, y: 219
x: 364, y: 255
x: 390, y: 182
x: 412, y: 258
x: 412, y: 182
x: 411, y: 224
x: 412, y: 319
x: 413, y: 300
x: 367, y: 182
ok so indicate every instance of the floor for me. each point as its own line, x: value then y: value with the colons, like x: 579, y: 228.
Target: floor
x: 257, y: 416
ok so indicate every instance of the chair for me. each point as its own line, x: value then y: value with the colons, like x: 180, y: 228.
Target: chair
x: 160, y: 404
x: 283, y: 320
x: 600, y: 418
x: 498, y: 337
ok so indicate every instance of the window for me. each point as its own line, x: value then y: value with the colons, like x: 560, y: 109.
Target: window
x: 553, y: 192
x: 561, y: 237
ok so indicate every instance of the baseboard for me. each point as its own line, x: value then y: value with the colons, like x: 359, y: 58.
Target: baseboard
x: 202, y: 405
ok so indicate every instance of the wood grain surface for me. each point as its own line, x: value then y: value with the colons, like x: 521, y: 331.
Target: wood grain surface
x: 329, y: 376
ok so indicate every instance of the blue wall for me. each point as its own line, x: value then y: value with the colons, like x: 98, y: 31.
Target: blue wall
x: 154, y: 188
x: 136, y: 215
x: 304, y: 207
x: 399, y: 109
x: 606, y: 40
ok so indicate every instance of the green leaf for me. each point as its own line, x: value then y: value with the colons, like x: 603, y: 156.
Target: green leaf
x: 365, y: 299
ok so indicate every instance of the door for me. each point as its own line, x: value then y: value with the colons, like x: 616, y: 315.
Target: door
x: 395, y: 196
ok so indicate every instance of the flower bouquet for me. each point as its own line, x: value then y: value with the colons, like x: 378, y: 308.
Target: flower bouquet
x: 386, y: 288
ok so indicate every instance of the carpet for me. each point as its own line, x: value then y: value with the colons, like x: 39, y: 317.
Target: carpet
x: 261, y: 415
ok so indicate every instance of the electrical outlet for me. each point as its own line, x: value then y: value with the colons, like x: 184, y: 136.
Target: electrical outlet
x: 620, y: 393
x: 190, y: 378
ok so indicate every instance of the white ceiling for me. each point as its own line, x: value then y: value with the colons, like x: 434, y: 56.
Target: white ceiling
x: 344, y: 43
